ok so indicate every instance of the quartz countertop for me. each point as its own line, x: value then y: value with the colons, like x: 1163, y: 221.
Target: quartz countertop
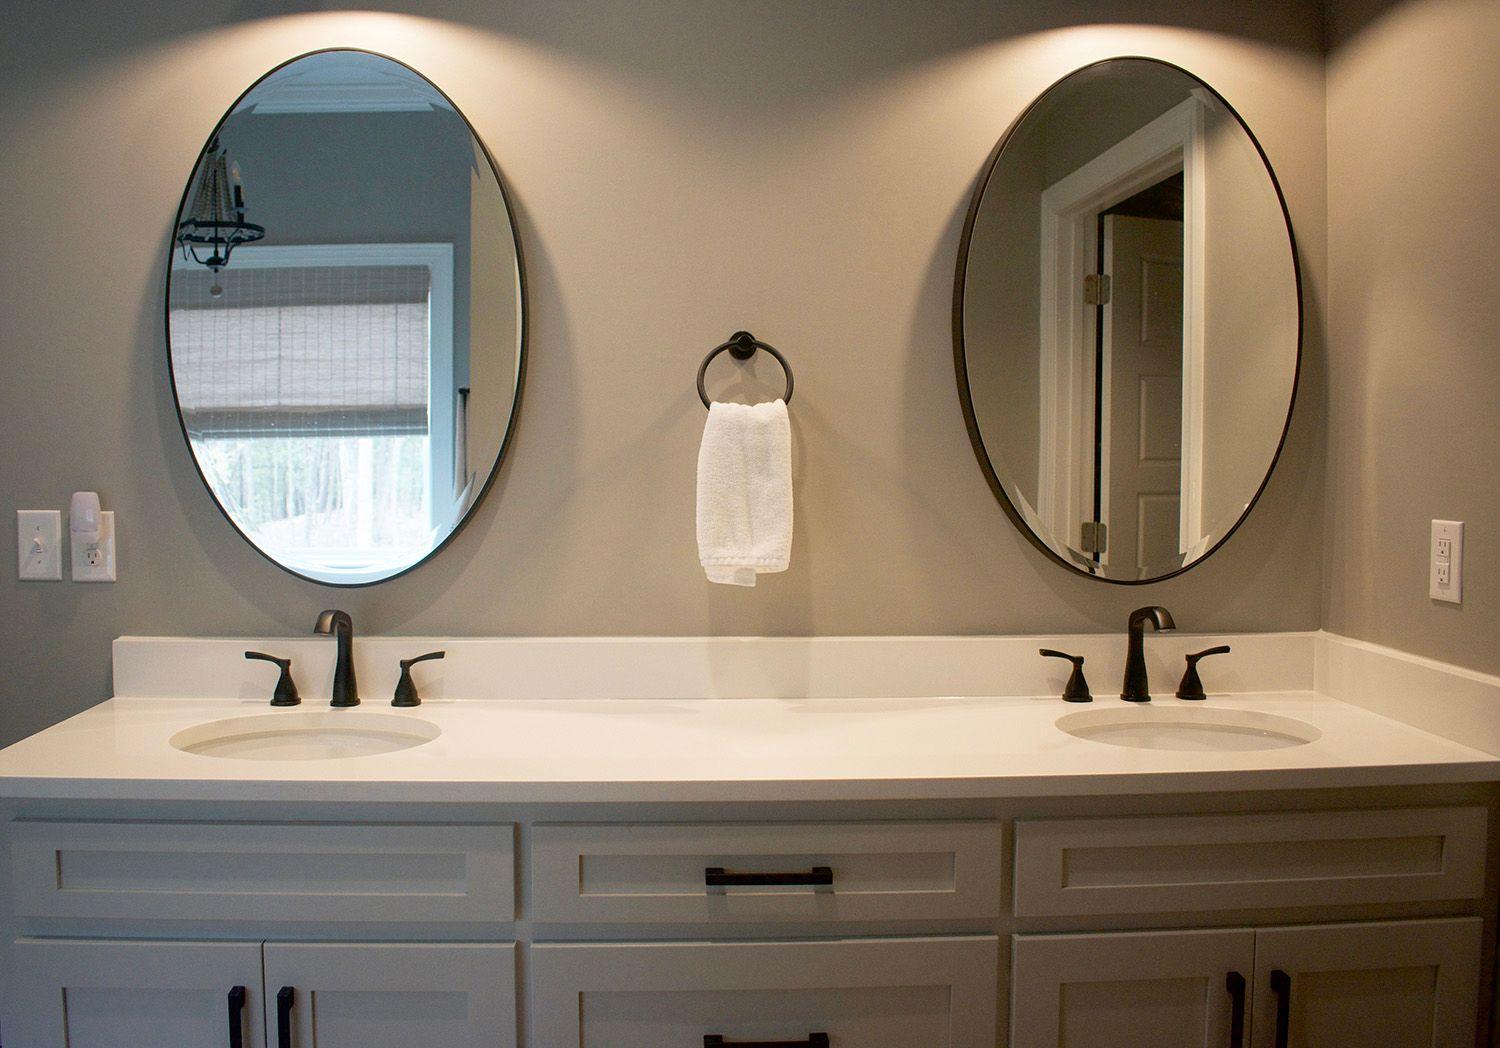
x: 742, y: 749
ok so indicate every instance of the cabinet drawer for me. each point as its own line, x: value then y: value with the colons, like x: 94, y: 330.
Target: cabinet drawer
x: 845, y: 872
x: 874, y: 993
x: 232, y: 872
x: 1232, y: 862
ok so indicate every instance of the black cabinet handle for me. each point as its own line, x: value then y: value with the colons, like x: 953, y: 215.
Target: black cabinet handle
x: 236, y: 1017
x: 1281, y: 986
x: 813, y: 1040
x: 1234, y: 982
x: 718, y: 877
x: 285, y: 998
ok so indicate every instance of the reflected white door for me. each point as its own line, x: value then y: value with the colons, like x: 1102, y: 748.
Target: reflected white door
x: 1142, y: 467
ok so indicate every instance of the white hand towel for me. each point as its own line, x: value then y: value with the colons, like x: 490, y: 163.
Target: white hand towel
x: 745, y: 492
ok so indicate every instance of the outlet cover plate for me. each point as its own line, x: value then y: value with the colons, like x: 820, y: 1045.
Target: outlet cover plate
x: 101, y: 568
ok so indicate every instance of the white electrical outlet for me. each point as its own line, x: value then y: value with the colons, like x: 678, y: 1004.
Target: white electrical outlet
x: 39, y: 544
x: 95, y: 562
x: 1446, y: 562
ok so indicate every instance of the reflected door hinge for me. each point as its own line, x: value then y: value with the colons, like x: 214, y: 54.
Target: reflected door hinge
x: 1096, y: 289
x: 1095, y: 537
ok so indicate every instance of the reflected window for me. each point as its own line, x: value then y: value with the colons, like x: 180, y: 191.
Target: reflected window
x: 312, y: 402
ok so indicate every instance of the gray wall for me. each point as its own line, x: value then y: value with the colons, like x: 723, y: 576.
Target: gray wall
x: 1414, y: 209
x: 682, y: 168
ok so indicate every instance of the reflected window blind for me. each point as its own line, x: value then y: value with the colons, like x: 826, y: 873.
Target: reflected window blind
x: 302, y: 350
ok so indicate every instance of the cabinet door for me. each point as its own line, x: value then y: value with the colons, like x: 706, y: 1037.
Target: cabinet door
x: 385, y: 995
x: 87, y: 994
x: 1397, y: 984
x: 1131, y: 990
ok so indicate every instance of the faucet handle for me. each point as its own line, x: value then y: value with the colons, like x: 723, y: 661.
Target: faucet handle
x: 1077, y: 688
x: 1192, y: 686
x: 406, y: 690
x: 286, y: 688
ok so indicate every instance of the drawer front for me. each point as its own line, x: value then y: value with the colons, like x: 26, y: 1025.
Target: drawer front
x: 874, y: 993
x: 835, y: 872
x: 258, y: 872
x: 1067, y: 867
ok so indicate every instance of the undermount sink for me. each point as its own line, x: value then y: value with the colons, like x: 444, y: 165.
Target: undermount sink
x: 1206, y: 729
x: 305, y: 736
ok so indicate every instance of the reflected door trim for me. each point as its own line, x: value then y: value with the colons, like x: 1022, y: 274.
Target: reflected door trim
x: 1070, y: 207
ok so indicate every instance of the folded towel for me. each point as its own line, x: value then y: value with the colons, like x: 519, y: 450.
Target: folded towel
x: 745, y: 492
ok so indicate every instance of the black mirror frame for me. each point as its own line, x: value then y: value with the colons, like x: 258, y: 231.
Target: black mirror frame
x: 960, y: 359
x: 522, y: 301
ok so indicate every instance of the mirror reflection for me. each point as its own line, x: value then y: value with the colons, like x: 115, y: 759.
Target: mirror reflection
x: 1129, y: 321
x: 345, y: 317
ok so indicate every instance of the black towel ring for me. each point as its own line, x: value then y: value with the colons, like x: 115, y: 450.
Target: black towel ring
x: 742, y: 346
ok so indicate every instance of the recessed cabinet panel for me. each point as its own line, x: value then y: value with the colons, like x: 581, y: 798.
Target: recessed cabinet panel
x: 874, y: 871
x: 1129, y: 990
x: 256, y: 872
x: 392, y: 995
x: 1396, y: 984
x: 1177, y: 864
x: 89, y: 994
x: 878, y: 993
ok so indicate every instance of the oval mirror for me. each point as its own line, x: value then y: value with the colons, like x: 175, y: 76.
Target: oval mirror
x: 346, y: 317
x: 1128, y: 321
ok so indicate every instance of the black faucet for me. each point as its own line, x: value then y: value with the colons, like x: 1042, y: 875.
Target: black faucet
x: 1137, y: 687
x: 338, y: 623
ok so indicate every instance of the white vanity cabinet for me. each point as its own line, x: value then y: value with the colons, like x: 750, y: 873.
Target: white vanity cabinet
x: 1080, y: 922
x: 130, y: 994
x: 873, y: 993
x: 72, y: 993
x: 390, y: 995
x: 1397, y: 984
x: 1391, y: 983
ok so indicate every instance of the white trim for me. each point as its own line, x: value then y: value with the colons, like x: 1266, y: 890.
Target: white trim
x: 1172, y: 142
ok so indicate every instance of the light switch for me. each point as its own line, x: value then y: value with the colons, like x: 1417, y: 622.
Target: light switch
x: 1446, y: 562
x: 39, y: 544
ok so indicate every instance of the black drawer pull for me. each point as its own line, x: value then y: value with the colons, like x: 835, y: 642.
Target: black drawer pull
x: 285, y: 998
x: 1281, y: 986
x: 237, y: 1017
x: 1234, y: 982
x: 718, y: 877
x: 814, y: 1040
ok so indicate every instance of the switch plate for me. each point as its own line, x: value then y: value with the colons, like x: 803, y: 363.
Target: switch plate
x: 96, y: 563
x: 44, y: 527
x: 1446, y: 562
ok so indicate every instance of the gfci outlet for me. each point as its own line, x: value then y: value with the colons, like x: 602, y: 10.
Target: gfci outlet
x: 95, y: 562
x: 1446, y: 562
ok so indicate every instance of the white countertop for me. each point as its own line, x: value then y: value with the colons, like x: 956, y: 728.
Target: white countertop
x: 742, y: 749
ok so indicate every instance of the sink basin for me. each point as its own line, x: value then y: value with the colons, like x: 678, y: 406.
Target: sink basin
x: 314, y: 735
x: 1207, y: 729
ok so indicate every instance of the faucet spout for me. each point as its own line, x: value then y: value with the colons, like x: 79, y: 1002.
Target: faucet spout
x: 1137, y: 687
x: 341, y: 626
